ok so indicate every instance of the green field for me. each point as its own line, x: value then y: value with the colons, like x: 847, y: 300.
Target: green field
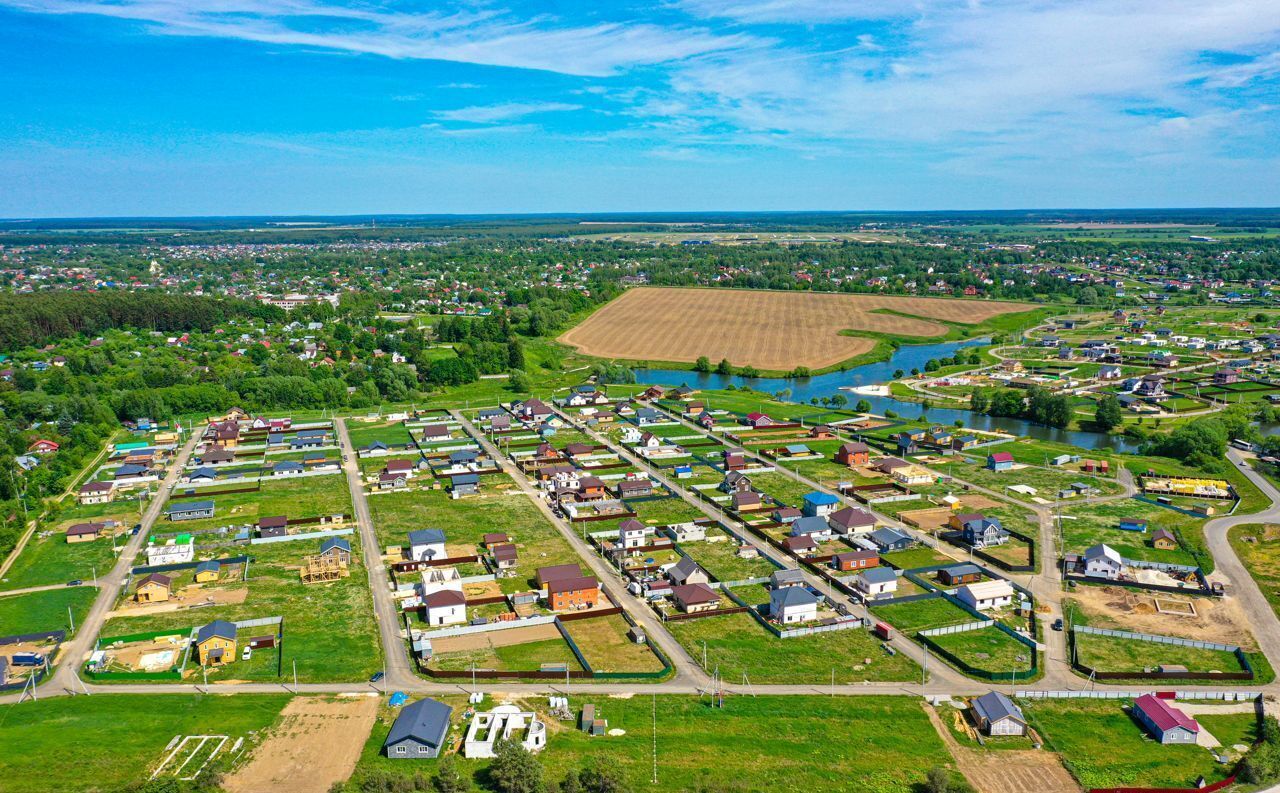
x: 751, y: 744
x: 44, y: 611
x: 1086, y: 525
x: 737, y: 645
x: 130, y: 733
x: 1103, y: 746
x: 526, y: 657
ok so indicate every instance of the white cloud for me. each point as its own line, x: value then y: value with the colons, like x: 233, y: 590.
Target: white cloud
x: 488, y: 37
x: 488, y: 114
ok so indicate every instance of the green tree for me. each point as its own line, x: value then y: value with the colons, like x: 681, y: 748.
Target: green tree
x: 703, y: 364
x: 1109, y: 414
x: 448, y: 778
x: 514, y: 769
x: 724, y: 367
x: 863, y: 406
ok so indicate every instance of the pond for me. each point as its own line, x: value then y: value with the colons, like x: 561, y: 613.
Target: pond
x: 905, y: 358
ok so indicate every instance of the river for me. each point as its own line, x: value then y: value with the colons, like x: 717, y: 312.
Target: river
x: 905, y: 358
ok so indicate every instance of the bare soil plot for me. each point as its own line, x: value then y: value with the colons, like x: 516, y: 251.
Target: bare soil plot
x: 1006, y: 770
x: 498, y: 638
x: 187, y: 597
x: 930, y: 519
x: 1212, y: 620
x: 315, y: 745
x: 768, y: 330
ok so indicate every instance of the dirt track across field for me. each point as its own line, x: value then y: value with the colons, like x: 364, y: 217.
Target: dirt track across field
x: 316, y: 744
x: 768, y: 330
x: 1006, y: 770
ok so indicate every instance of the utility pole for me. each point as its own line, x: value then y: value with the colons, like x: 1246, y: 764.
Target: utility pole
x: 654, y: 777
x: 72, y: 620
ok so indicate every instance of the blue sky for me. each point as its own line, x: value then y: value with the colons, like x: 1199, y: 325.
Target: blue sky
x: 129, y: 107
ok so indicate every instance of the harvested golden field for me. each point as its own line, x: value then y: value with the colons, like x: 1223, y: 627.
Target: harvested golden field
x: 768, y: 330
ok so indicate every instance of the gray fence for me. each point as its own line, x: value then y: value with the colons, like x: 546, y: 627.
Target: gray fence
x: 1148, y: 637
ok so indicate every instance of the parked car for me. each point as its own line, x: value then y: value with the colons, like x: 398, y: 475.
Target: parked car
x: 75, y: 582
x: 247, y: 653
x: 1057, y: 624
x: 377, y: 676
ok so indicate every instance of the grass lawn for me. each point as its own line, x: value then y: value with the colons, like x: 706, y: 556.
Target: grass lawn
x: 130, y: 733
x: 736, y: 644
x: 390, y: 433
x: 294, y: 497
x: 805, y: 745
x: 1088, y: 525
x: 328, y: 628
x: 52, y: 560
x: 988, y: 649
x: 1046, y: 481
x: 922, y: 615
x: 1103, y: 746
x: 44, y: 611
x: 526, y: 657
x: 916, y: 557
x: 721, y: 560
x: 664, y: 511
x: 782, y: 487
x: 1111, y: 654
x: 1261, y: 557
x: 605, y: 645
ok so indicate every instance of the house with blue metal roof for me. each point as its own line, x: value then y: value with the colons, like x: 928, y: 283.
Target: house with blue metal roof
x: 820, y: 504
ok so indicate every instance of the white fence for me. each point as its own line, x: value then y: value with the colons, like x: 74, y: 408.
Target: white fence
x: 466, y: 630
x: 790, y: 633
x: 1148, y: 637
x: 1224, y: 696
x: 311, y: 535
x: 965, y: 628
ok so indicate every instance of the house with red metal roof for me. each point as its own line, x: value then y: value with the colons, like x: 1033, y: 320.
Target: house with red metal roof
x: 1166, y: 723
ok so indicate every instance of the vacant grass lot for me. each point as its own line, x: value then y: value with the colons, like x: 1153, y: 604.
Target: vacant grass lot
x: 527, y: 657
x: 52, y: 560
x: 130, y: 733
x: 1103, y: 746
x: 988, y: 649
x: 782, y: 487
x: 328, y: 628
x: 752, y: 744
x: 44, y: 611
x: 294, y: 497
x: 664, y: 511
x: 1111, y: 654
x: 606, y: 646
x: 922, y: 615
x: 737, y: 645
x: 721, y: 560
x: 1046, y: 481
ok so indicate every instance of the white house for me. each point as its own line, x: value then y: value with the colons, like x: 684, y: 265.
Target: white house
x: 171, y: 551
x: 631, y: 533
x: 984, y: 595
x: 876, y: 581
x: 504, y: 721
x: 426, y: 544
x: 1102, y: 561
x: 437, y: 579
x: 792, y: 604
x: 445, y: 607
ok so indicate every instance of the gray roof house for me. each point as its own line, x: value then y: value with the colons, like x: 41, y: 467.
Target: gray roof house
x: 190, y: 510
x: 686, y: 571
x: 812, y: 525
x: 995, y: 714
x: 782, y: 579
x: 419, y: 731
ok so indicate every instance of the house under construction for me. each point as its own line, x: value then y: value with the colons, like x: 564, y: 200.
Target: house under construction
x: 318, y: 569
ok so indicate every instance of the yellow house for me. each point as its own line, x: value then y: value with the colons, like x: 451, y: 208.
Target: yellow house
x: 155, y: 588
x: 216, y: 643
x: 207, y: 571
x: 84, y: 532
x: 166, y: 437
